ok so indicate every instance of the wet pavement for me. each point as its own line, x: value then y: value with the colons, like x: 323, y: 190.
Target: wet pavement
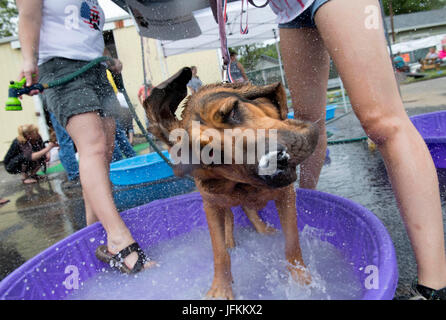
x: 42, y: 214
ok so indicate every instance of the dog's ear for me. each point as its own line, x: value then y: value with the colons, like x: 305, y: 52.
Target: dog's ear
x: 274, y: 92
x: 163, y: 101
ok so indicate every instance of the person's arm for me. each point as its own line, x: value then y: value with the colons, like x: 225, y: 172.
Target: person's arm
x: 39, y: 154
x: 114, y: 65
x: 30, y: 20
x: 243, y: 71
x: 140, y: 95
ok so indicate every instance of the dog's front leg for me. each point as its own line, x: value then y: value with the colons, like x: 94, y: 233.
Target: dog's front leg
x: 229, y: 229
x: 259, y: 225
x: 286, y: 207
x: 222, y: 283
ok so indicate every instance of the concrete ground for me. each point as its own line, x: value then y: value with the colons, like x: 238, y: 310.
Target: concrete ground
x: 40, y: 215
x: 430, y: 93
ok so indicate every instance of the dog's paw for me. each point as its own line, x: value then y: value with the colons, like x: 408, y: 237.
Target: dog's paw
x: 267, y: 230
x: 223, y: 292
x: 300, y: 274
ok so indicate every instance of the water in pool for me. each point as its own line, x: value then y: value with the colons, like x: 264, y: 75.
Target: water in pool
x: 258, y: 268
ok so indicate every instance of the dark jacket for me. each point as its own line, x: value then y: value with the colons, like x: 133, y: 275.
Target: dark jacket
x: 20, y: 154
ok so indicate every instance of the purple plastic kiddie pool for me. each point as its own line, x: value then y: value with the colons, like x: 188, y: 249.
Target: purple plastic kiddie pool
x: 359, y: 236
x: 432, y: 127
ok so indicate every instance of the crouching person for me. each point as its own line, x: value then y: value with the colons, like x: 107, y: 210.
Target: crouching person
x: 27, y: 154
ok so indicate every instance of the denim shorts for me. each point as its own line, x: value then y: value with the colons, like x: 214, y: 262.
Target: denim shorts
x: 306, y: 18
x: 89, y: 92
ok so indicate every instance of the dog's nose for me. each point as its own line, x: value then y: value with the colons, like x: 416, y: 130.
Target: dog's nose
x: 275, y: 169
x: 282, y: 159
x: 273, y: 161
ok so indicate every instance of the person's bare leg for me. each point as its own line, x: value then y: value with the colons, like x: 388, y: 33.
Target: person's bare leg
x: 89, y: 133
x: 89, y: 214
x: 110, y: 130
x: 307, y: 65
x: 360, y: 55
x: 26, y: 176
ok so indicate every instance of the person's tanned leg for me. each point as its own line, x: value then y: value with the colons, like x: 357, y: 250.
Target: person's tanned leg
x: 357, y: 46
x: 91, y: 134
x: 306, y: 65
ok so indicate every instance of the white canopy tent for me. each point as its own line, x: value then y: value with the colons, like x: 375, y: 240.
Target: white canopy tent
x: 261, y: 25
x: 432, y: 41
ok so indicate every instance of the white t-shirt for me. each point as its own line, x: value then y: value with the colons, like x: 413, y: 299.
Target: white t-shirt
x: 71, y: 29
x: 288, y: 10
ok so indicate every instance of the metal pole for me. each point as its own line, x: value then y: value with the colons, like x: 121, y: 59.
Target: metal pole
x: 343, y: 95
x: 143, y: 130
x: 143, y: 65
x: 386, y: 31
x: 43, y: 127
x: 279, y: 56
x: 391, y: 21
x: 161, y: 59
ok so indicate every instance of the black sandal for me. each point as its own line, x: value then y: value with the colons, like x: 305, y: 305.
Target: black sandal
x: 420, y: 292
x: 117, y: 261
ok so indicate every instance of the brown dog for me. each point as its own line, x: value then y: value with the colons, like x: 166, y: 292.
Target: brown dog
x: 214, y: 112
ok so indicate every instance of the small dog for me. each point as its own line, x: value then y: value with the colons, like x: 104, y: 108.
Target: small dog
x: 223, y: 184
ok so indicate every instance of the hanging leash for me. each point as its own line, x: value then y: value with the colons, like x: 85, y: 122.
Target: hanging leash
x: 219, y: 10
x: 244, y: 30
x: 221, y: 16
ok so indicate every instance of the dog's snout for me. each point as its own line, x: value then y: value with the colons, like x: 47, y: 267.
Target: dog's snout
x: 275, y: 159
x: 282, y: 159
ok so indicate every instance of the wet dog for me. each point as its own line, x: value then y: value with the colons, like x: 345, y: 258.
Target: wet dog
x: 206, y: 143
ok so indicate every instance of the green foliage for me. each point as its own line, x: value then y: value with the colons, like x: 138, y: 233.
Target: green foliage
x: 249, y: 55
x: 409, y: 6
x: 8, y: 15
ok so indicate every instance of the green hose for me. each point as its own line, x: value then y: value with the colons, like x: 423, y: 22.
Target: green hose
x: 77, y: 73
x: 347, y: 140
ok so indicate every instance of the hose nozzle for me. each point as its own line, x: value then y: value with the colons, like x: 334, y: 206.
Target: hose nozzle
x: 16, y: 89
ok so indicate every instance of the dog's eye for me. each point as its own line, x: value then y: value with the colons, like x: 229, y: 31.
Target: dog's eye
x: 233, y: 116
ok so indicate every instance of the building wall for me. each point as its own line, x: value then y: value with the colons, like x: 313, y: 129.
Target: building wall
x: 420, y: 33
x: 10, y: 64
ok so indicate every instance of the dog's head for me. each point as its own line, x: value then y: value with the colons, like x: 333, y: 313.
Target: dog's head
x: 237, y: 132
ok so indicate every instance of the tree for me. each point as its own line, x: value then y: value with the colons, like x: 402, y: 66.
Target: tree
x: 8, y: 18
x: 250, y: 54
x: 409, y: 6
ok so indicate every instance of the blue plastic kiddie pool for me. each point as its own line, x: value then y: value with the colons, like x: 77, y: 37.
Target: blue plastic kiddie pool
x: 330, y: 112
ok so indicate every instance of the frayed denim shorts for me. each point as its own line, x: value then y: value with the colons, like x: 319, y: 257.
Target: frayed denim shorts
x: 306, y: 18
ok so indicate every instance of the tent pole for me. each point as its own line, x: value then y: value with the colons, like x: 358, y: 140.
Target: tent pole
x: 279, y: 56
x: 143, y: 66
x: 162, y: 60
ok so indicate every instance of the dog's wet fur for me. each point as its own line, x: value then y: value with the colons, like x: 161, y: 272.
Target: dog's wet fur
x: 247, y: 108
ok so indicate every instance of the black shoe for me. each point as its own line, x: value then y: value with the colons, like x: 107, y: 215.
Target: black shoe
x: 70, y: 184
x: 420, y: 292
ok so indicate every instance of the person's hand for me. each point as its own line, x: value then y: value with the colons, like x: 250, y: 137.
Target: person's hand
x: 115, y: 65
x: 30, y: 71
x: 51, y: 145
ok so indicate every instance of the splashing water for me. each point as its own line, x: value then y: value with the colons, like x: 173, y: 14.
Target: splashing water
x: 258, y: 267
